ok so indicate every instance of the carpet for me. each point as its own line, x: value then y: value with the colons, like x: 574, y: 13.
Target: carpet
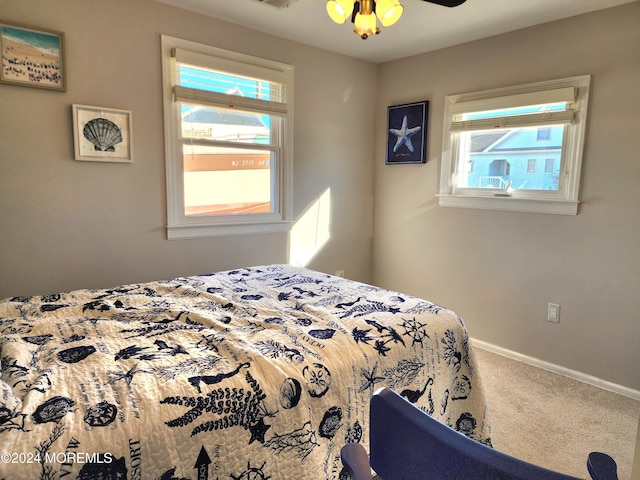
x: 555, y: 421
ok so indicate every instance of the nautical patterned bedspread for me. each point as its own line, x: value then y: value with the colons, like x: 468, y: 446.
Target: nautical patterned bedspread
x: 258, y: 373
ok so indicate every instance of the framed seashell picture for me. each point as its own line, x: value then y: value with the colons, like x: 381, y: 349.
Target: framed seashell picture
x: 102, y: 134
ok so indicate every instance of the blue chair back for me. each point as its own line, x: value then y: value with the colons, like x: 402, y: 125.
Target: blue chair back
x: 407, y: 444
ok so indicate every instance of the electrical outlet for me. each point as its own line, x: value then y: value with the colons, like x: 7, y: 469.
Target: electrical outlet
x: 553, y: 313
x: 339, y: 273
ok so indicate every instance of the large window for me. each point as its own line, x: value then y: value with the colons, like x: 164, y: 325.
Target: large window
x: 517, y: 148
x: 227, y: 129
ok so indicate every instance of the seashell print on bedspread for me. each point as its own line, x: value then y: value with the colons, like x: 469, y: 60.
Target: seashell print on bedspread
x: 257, y: 373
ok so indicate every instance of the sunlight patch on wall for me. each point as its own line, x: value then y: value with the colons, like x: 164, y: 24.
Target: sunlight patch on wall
x: 311, y: 232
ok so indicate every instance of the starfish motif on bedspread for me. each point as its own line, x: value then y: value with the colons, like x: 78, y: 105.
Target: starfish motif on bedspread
x: 115, y: 376
x: 258, y: 430
x: 371, y: 379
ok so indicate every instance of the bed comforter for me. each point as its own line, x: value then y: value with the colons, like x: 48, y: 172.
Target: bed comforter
x: 251, y: 374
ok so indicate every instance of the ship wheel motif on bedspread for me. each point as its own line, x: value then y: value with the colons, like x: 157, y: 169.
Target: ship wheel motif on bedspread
x: 252, y: 473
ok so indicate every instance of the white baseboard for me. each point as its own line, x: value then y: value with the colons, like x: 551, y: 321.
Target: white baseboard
x: 581, y: 377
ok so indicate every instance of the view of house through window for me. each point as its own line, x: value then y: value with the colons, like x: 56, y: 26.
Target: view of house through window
x: 515, y: 148
x: 527, y: 158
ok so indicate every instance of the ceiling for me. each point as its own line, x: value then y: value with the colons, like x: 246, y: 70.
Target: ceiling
x: 423, y: 27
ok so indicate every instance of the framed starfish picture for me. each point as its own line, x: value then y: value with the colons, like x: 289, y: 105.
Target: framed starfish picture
x: 407, y: 133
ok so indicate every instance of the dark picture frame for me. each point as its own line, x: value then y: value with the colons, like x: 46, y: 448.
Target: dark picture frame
x: 407, y: 133
x: 32, y: 57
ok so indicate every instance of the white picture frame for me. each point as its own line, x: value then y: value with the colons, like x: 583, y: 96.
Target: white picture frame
x: 102, y: 134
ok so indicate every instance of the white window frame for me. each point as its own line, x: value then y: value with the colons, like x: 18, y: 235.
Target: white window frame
x: 563, y: 201
x: 180, y: 226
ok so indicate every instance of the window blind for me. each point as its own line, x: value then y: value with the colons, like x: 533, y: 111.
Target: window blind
x: 464, y: 104
x: 251, y: 76
x: 215, y: 99
x: 514, y: 121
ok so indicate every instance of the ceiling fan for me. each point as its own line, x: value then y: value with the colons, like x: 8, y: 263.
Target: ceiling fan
x: 363, y: 13
x: 447, y: 3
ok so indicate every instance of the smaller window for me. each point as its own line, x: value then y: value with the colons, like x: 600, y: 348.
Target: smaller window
x: 549, y: 165
x: 544, y: 133
x: 503, y: 133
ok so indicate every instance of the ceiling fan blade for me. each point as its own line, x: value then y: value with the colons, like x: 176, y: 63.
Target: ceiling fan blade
x: 447, y: 3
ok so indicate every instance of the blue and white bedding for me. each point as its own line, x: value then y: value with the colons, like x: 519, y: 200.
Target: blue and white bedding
x: 252, y: 374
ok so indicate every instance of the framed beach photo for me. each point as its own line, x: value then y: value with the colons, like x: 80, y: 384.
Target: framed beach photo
x: 407, y: 133
x: 102, y: 134
x: 32, y: 57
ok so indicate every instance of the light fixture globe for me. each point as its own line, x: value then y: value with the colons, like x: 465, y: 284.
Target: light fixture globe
x: 388, y: 11
x: 365, y: 25
x: 340, y: 10
x: 366, y: 11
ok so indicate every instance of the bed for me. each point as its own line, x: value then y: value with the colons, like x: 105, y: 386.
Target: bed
x: 250, y: 374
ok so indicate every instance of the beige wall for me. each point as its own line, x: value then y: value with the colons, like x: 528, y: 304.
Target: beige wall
x: 499, y: 270
x: 635, y: 469
x: 68, y: 224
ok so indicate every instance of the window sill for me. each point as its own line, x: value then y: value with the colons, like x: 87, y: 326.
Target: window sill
x: 510, y: 204
x: 184, y: 232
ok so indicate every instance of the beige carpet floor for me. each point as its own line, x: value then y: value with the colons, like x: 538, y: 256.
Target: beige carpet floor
x: 555, y: 421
